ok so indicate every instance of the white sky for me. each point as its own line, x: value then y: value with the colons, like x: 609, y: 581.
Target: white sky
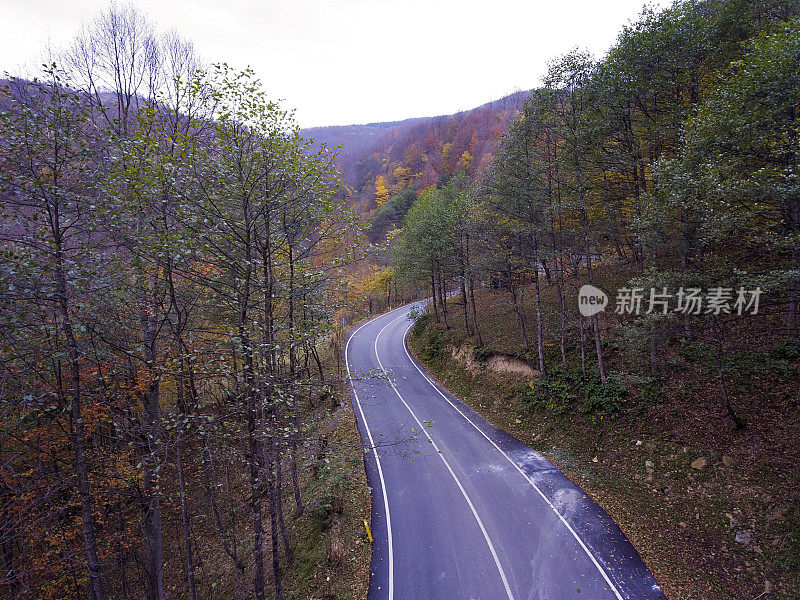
x: 353, y: 61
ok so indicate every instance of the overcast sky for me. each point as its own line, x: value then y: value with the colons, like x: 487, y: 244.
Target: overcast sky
x: 354, y: 61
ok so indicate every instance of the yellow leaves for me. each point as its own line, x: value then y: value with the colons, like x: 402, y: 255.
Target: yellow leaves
x: 628, y: 206
x: 381, y: 279
x: 446, y: 148
x: 403, y: 177
x: 381, y: 191
x: 168, y: 390
x: 465, y: 161
x: 402, y: 174
x: 373, y: 280
x: 392, y: 234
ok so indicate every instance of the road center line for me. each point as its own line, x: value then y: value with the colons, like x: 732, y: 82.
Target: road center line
x: 516, y: 466
x: 446, y: 464
x: 377, y: 462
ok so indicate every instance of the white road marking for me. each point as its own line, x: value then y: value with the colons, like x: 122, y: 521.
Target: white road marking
x: 446, y: 464
x: 516, y: 466
x: 377, y: 462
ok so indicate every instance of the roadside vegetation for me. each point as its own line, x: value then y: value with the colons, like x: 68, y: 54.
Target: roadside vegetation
x: 711, y: 509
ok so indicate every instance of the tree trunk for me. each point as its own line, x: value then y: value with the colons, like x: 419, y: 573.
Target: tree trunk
x: 443, y: 300
x: 593, y: 319
x: 287, y: 547
x: 293, y: 396
x: 273, y: 522
x: 519, y: 312
x: 315, y: 356
x: 253, y: 457
x: 76, y: 428
x: 558, y: 265
x: 464, y: 304
x: 152, y: 491
x: 583, y: 345
x: 478, y: 340
x: 186, y: 524
x: 255, y: 507
x: 229, y: 547
x: 298, y: 500
x: 562, y: 312
x: 598, y: 348
x: 587, y: 249
x: 737, y: 421
x: 434, y: 300
x: 539, y: 329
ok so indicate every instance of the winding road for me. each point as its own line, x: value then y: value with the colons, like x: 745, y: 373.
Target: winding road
x: 463, y: 510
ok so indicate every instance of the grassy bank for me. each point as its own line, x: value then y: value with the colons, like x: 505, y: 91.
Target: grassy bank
x: 712, y: 509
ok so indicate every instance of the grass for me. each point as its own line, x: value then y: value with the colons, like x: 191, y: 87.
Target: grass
x: 631, y: 444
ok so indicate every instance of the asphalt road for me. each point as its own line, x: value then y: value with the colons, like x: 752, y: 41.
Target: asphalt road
x: 461, y: 509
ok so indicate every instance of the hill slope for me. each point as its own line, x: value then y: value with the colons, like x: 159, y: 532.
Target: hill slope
x: 416, y: 152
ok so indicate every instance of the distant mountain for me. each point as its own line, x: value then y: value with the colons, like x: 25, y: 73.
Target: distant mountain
x: 416, y: 153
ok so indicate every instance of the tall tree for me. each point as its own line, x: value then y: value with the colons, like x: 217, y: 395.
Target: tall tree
x: 47, y: 176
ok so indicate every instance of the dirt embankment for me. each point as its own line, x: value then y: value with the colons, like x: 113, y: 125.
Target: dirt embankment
x: 494, y: 362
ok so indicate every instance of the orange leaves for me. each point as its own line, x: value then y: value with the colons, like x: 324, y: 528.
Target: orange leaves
x: 145, y: 379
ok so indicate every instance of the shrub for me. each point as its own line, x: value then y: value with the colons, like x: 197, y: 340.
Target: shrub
x: 482, y: 354
x: 431, y: 340
x: 322, y: 510
x: 567, y: 389
x: 647, y: 387
x: 785, y: 350
x: 433, y: 350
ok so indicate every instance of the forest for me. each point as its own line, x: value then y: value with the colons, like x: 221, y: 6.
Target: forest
x: 170, y: 247
x: 670, y: 163
x: 416, y: 153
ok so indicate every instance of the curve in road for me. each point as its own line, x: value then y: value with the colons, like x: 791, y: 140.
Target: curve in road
x: 460, y: 508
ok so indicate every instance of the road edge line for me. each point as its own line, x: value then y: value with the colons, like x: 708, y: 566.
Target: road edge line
x: 516, y: 466
x: 377, y: 458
